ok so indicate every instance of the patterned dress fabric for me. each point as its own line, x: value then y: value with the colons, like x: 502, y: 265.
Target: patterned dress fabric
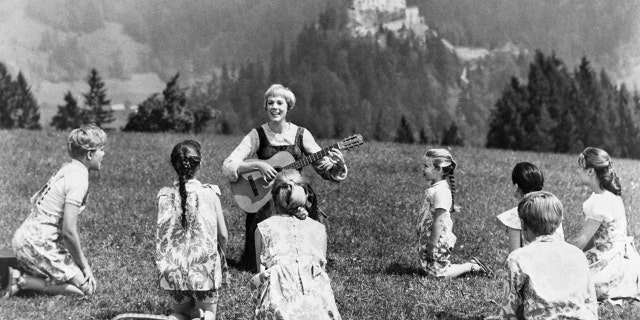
x: 263, y: 143
x: 296, y: 285
x: 548, y: 279
x: 38, y: 243
x: 188, y: 259
x: 438, y: 196
x: 613, y: 259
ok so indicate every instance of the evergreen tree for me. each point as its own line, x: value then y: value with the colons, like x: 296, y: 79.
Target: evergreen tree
x: 404, y: 134
x: 170, y: 111
x: 26, y: 113
x: 98, y: 107
x: 568, y: 137
x: 628, y: 130
x: 451, y: 136
x: 423, y: 139
x: 609, y: 119
x: 589, y: 106
x: 69, y: 115
x: 150, y: 116
x: 546, y: 86
x: 7, y: 91
x: 506, y: 127
x: 179, y: 117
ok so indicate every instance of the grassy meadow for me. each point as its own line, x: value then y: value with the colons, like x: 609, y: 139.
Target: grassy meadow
x: 371, y: 237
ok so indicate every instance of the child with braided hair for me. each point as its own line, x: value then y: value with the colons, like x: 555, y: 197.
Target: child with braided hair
x: 435, y: 228
x: 191, y: 237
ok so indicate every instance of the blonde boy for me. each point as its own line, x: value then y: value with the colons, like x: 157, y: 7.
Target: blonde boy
x: 548, y: 278
x: 47, y: 244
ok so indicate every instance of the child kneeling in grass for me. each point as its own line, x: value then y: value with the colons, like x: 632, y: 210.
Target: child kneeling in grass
x: 191, y: 238
x: 548, y: 278
x: 47, y: 244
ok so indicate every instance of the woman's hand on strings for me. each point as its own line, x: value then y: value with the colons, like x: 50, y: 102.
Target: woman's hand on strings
x: 268, y: 172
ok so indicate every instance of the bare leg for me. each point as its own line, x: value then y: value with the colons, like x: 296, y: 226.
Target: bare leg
x: 208, y: 308
x: 38, y: 284
x: 456, y: 270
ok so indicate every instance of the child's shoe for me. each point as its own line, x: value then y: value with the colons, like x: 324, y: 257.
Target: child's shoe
x: 10, y: 277
x: 196, y: 314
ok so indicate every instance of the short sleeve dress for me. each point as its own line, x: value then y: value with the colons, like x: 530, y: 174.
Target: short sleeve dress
x: 189, y: 259
x: 511, y: 220
x: 38, y: 243
x: 438, y: 196
x: 613, y: 259
x: 296, y: 286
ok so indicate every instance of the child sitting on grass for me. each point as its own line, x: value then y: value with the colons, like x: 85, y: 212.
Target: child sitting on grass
x: 548, y: 278
x: 613, y: 259
x: 191, y: 238
x: 526, y: 178
x: 47, y: 244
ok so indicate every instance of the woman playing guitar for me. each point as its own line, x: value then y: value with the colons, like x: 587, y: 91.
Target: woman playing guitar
x: 275, y: 136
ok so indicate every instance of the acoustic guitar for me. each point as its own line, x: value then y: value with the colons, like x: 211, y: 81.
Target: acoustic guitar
x: 251, y: 191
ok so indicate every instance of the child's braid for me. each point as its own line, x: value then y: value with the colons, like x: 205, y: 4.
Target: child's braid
x: 452, y: 185
x: 182, y: 189
x: 185, y: 159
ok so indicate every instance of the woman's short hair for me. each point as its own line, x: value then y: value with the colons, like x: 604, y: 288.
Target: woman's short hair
x: 540, y: 212
x: 278, y: 90
x: 528, y: 177
x: 84, y: 139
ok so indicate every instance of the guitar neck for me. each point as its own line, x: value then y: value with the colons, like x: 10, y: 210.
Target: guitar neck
x: 311, y: 158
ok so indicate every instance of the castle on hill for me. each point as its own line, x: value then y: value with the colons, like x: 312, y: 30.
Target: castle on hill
x: 366, y: 17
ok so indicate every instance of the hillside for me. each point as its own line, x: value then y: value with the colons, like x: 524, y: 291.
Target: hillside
x: 137, y: 45
x: 608, y: 33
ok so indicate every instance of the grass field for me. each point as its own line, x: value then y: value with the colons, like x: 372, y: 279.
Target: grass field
x: 372, y: 236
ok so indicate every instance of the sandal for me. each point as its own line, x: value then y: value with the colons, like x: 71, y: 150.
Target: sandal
x: 484, y: 269
x: 8, y: 278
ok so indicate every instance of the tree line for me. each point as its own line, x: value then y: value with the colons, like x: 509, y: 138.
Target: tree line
x: 18, y: 106
x: 558, y: 110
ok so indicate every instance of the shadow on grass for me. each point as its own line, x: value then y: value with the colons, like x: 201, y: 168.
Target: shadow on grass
x: 450, y: 316
x: 238, y: 265
x: 403, y: 270
x: 445, y: 315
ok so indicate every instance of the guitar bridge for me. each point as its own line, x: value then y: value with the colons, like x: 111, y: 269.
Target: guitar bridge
x: 254, y: 188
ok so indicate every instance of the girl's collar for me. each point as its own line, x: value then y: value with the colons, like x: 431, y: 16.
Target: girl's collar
x: 443, y: 181
x: 190, y: 185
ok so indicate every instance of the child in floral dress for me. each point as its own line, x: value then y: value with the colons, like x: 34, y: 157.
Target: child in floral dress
x: 291, y: 254
x: 435, y: 228
x: 47, y: 244
x: 548, y: 278
x: 613, y: 259
x: 191, y: 238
